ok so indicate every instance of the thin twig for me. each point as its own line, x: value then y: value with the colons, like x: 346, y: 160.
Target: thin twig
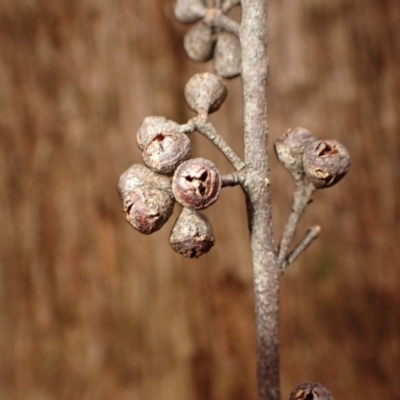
x: 215, y: 17
x: 308, y: 238
x: 233, y: 179
x: 227, y: 5
x: 301, y: 198
x: 203, y: 126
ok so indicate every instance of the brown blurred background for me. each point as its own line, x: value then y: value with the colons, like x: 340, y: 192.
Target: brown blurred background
x: 92, y: 310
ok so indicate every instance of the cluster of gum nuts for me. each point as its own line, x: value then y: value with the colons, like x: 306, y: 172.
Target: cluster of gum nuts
x: 204, y: 41
x: 322, y: 162
x: 148, y: 193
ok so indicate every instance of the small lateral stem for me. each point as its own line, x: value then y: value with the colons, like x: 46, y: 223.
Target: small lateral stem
x: 308, y: 238
x: 201, y: 125
x: 215, y: 17
x: 233, y: 179
x: 301, y: 198
x: 227, y: 5
x: 227, y: 23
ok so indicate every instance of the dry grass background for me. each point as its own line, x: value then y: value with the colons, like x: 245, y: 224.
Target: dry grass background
x: 91, y: 310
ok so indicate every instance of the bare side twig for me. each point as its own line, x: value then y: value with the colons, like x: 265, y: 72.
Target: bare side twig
x: 228, y: 4
x: 302, y: 197
x: 266, y: 271
x: 233, y: 179
x: 215, y: 17
x: 308, y: 238
x: 205, y: 127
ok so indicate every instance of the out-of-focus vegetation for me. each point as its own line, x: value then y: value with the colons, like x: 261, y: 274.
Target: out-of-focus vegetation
x: 90, y: 309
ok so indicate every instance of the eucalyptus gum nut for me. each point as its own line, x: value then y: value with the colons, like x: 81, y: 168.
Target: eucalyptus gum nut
x: 188, y: 11
x: 227, y: 55
x: 196, y: 184
x: 192, y: 234
x: 151, y: 127
x: 325, y: 162
x: 205, y: 92
x: 199, y: 42
x: 139, y: 175
x: 166, y: 151
x: 310, y: 391
x: 148, y: 208
x: 289, y: 149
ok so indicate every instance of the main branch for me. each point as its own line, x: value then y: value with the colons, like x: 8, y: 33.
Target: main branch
x: 253, y: 39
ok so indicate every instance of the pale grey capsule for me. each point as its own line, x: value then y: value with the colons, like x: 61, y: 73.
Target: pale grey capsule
x: 188, y: 11
x: 325, y: 162
x: 196, y: 183
x: 199, y: 42
x: 151, y: 127
x: 192, y: 234
x: 227, y: 55
x: 205, y: 92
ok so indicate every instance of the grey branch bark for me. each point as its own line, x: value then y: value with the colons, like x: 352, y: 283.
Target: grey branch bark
x: 266, y: 271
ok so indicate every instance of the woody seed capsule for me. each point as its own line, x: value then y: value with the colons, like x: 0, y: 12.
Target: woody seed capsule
x: 196, y: 184
x: 139, y: 175
x: 205, y: 92
x: 192, y: 234
x: 227, y: 57
x: 153, y: 126
x: 289, y: 149
x: 199, y: 42
x: 146, y: 197
x: 147, y: 208
x: 310, y: 391
x: 325, y: 162
x: 166, y: 151
x: 188, y: 11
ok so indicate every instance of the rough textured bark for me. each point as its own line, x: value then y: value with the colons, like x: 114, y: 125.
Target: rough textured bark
x: 253, y: 40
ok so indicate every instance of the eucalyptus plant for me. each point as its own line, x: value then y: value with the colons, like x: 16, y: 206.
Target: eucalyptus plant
x: 170, y: 174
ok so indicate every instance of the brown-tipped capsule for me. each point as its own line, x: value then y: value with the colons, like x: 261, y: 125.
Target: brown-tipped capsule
x: 147, y: 208
x: 227, y: 57
x: 153, y: 126
x: 196, y: 184
x: 289, y: 149
x: 166, y: 151
x: 188, y: 11
x: 325, y: 162
x: 205, y: 92
x: 199, y: 42
x: 192, y: 234
x: 139, y: 175
x: 310, y: 391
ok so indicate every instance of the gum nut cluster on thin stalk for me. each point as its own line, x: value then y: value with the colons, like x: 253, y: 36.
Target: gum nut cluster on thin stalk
x: 147, y: 198
x: 322, y: 162
x: 204, y: 41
